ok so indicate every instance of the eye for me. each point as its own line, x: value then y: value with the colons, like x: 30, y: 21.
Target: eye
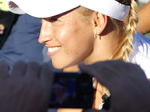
x: 53, y: 19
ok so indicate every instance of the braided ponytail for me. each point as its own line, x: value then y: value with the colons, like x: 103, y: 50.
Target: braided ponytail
x: 126, y: 31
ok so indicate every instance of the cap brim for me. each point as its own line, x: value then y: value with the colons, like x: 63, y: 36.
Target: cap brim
x: 41, y: 9
x: 49, y: 8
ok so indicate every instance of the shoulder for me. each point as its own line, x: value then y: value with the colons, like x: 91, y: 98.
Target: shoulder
x: 141, y: 37
x: 141, y: 44
x: 141, y: 52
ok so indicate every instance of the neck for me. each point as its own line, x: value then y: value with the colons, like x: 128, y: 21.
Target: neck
x: 104, y: 48
x: 71, y: 69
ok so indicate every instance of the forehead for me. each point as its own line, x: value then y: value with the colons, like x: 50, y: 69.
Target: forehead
x: 67, y: 13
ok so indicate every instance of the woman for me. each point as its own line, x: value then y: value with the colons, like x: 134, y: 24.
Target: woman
x: 88, y: 32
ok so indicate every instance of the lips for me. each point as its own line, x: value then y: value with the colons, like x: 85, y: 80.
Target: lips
x: 53, y: 50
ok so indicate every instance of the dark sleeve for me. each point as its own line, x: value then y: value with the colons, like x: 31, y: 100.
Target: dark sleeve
x: 8, y: 19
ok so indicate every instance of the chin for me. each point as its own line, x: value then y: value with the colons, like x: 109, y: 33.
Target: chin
x: 58, y: 66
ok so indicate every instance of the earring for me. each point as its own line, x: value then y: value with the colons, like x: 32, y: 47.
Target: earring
x: 98, y: 34
x: 95, y: 35
x: 99, y: 31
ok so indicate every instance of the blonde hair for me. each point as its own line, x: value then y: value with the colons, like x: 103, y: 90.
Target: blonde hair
x: 125, y: 32
x: 125, y: 29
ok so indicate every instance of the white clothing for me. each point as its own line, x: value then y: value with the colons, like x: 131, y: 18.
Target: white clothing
x: 141, y: 53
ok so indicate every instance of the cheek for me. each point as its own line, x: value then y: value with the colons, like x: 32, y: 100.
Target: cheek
x: 79, y: 41
x: 73, y: 32
x: 76, y: 41
x: 76, y: 33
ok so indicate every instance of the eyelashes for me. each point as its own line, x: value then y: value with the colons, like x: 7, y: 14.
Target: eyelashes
x: 52, y: 19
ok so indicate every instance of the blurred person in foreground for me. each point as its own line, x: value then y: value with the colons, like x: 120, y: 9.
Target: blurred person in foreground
x: 27, y: 90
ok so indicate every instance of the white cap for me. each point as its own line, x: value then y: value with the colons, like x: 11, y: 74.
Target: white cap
x: 49, y: 8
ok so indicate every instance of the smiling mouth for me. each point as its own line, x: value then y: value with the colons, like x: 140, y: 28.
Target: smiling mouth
x: 53, y: 49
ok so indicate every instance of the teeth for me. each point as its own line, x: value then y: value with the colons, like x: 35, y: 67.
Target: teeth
x: 53, y: 49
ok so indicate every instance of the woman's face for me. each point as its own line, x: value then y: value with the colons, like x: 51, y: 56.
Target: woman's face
x: 69, y: 39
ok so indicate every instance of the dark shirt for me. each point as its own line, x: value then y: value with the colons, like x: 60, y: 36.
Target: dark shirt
x: 22, y: 43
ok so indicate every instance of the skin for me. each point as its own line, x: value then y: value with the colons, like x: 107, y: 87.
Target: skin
x: 2, y: 27
x: 144, y: 17
x: 75, y: 38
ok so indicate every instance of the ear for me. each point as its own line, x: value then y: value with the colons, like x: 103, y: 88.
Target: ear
x: 100, y: 22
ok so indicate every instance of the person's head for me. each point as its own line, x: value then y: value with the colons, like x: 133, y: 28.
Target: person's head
x: 85, y: 31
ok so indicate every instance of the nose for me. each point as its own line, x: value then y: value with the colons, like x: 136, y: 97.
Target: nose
x: 45, y: 32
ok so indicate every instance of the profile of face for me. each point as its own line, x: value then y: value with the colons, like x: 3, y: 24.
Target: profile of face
x: 69, y: 39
